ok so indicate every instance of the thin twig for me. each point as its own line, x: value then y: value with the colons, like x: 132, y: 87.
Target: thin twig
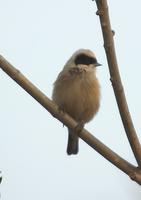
x: 116, y: 80
x: 132, y: 171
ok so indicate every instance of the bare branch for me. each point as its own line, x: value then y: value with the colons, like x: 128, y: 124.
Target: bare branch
x: 116, y: 80
x: 132, y: 171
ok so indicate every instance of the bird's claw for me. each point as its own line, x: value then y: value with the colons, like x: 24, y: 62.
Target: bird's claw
x: 79, y: 127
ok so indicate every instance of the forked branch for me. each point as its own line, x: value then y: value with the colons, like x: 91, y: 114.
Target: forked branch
x: 132, y: 171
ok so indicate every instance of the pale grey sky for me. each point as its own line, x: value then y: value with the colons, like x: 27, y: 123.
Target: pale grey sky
x: 38, y: 37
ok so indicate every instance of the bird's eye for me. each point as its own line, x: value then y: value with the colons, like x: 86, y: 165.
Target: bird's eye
x: 85, y: 60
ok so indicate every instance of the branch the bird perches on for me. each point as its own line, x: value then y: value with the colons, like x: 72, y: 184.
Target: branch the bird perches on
x: 134, y: 172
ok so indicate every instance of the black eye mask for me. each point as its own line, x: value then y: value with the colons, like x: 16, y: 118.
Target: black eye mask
x: 85, y: 60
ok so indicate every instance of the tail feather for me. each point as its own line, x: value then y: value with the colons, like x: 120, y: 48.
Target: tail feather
x: 73, y: 145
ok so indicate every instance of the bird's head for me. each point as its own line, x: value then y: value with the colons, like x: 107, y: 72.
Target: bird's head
x: 83, y: 57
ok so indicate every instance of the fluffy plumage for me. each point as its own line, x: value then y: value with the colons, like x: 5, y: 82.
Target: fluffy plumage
x: 77, y: 91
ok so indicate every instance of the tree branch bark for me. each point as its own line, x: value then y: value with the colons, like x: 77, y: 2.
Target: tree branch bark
x: 132, y: 171
x: 116, y: 80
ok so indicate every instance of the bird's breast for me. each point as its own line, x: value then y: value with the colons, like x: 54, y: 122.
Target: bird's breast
x: 79, y: 96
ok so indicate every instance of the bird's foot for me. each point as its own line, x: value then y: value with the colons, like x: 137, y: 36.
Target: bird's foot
x: 79, y: 127
x: 61, y: 111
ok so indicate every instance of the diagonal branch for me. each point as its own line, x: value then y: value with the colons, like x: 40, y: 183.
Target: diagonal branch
x: 116, y: 80
x: 132, y: 171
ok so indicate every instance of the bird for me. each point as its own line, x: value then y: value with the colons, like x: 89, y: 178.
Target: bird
x: 76, y: 91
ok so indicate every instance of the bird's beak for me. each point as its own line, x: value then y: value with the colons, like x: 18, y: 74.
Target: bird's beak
x: 98, y: 64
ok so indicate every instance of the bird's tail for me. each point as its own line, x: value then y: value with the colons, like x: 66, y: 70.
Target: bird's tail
x: 73, y: 145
